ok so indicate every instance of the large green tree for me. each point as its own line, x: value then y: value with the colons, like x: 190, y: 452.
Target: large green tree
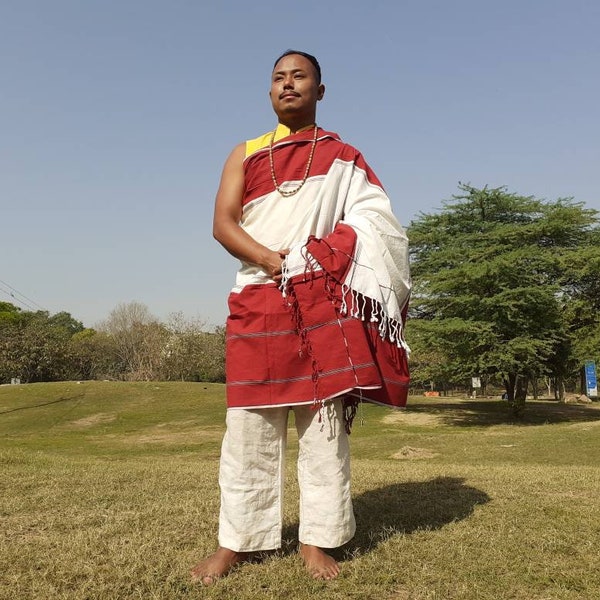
x: 34, y: 346
x: 494, y: 274
x: 581, y: 301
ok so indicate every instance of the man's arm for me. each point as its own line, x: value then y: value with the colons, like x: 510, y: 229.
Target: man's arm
x: 228, y: 212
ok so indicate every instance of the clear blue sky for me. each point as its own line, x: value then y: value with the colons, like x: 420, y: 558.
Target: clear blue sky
x: 116, y: 117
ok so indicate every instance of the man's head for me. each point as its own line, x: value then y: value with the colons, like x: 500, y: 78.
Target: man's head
x: 296, y: 88
x: 310, y: 57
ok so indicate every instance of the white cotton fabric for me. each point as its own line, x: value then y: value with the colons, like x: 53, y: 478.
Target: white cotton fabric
x: 252, y: 475
x: 380, y: 265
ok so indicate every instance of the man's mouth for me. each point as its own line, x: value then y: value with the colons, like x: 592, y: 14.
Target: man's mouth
x: 289, y: 95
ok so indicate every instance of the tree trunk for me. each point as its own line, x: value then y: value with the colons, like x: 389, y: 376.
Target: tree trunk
x: 560, y: 388
x: 509, y: 386
x: 519, y: 395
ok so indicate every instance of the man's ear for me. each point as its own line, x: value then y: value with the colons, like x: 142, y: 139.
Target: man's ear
x: 321, y: 92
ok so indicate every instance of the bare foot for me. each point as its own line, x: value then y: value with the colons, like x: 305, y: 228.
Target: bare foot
x: 318, y: 563
x: 216, y: 565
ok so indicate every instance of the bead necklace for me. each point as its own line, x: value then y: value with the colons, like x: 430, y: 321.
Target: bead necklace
x: 287, y: 193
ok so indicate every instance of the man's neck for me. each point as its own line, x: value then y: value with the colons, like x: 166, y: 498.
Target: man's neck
x: 296, y: 127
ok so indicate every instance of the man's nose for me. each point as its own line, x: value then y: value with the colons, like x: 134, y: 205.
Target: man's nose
x: 288, y: 83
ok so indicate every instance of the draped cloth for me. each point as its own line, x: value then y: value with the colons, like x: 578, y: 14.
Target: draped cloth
x: 335, y: 325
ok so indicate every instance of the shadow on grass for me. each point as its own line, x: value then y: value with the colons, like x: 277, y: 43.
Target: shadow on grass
x: 468, y: 413
x: 20, y: 408
x: 403, y: 508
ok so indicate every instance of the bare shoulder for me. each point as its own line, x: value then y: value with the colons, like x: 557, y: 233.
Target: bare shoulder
x: 237, y: 155
x: 231, y: 187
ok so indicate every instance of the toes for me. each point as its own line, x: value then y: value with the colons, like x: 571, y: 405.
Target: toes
x: 325, y: 574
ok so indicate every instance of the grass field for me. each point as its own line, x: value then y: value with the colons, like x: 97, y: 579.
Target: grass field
x: 109, y: 491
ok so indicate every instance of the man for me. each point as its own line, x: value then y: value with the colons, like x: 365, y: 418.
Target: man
x: 315, y: 324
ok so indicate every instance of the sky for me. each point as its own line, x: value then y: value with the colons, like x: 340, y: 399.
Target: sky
x: 116, y: 117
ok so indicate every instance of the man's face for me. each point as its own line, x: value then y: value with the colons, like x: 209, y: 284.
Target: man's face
x: 294, y: 87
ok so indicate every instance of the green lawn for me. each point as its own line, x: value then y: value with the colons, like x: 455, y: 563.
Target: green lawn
x: 109, y: 491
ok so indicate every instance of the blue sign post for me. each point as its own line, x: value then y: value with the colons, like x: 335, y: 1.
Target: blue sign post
x: 591, y: 383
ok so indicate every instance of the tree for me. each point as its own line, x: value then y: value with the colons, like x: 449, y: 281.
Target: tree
x: 10, y: 317
x: 65, y: 321
x: 139, y: 339
x: 581, y: 301
x: 192, y: 353
x: 34, y: 346
x: 94, y: 355
x: 491, y: 278
x: 9, y: 312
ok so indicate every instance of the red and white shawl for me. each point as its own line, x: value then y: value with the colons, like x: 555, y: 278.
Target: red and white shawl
x: 335, y: 325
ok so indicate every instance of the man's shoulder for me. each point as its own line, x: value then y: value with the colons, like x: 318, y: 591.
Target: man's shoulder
x: 257, y: 143
x: 337, y: 140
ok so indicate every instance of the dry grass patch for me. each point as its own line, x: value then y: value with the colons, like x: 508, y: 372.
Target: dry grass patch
x: 92, y: 420
x: 159, y: 436
x: 409, y: 453
x: 173, y: 433
x: 85, y: 516
x: 587, y: 425
x: 405, y: 417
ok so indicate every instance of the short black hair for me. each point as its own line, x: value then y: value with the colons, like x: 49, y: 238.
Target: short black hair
x: 310, y: 57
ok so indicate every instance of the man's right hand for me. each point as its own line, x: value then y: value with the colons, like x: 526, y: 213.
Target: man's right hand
x: 272, y: 263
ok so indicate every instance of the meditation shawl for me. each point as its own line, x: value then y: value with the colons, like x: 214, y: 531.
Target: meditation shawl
x: 335, y: 324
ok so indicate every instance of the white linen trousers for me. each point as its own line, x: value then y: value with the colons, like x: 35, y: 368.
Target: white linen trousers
x: 252, y: 472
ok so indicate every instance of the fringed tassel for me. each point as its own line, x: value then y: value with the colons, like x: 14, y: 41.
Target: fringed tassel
x: 349, y: 302
x: 356, y: 305
x: 292, y: 303
x: 344, y: 304
x: 362, y: 308
x: 319, y: 406
x: 285, y: 277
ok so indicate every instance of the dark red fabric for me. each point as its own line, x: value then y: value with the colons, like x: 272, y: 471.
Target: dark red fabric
x: 302, y: 349
x: 290, y: 156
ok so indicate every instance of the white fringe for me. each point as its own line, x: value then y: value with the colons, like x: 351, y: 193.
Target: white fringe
x: 389, y: 329
x: 285, y: 276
